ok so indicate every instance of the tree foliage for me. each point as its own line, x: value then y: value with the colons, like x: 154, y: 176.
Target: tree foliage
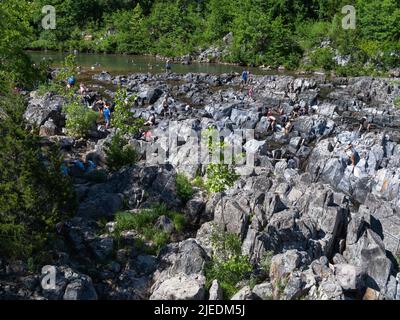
x: 34, y: 195
x: 119, y: 153
x: 123, y: 118
x: 270, y: 32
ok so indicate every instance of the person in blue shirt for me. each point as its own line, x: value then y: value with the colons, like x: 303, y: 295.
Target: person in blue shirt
x: 244, y: 76
x: 71, y: 82
x: 107, y: 115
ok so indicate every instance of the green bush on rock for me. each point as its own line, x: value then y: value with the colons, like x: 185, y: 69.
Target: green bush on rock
x: 119, y: 153
x: 228, y: 265
x: 80, y: 119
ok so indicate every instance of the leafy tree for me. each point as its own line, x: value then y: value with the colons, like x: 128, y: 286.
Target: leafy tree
x: 119, y: 153
x: 79, y: 119
x: 34, y: 195
x: 15, y: 35
x: 228, y: 265
x: 123, y: 118
x: 220, y: 175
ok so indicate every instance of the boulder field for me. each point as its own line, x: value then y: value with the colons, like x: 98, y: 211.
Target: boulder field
x: 333, y: 228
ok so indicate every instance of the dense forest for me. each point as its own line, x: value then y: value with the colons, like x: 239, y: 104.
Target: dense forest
x: 291, y: 33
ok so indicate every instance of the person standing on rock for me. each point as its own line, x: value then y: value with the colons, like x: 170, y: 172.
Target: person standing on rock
x: 165, y: 105
x: 168, y: 66
x: 107, y: 115
x: 244, y: 77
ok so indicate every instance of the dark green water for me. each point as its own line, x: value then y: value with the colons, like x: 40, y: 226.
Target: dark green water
x: 124, y: 64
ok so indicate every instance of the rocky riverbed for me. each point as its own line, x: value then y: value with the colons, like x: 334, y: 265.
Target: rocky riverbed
x: 333, y: 229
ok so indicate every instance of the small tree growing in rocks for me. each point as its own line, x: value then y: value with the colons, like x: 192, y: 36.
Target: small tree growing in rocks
x: 220, y: 175
x: 123, y: 118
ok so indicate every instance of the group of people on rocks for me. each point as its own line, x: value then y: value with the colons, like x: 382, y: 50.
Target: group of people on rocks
x: 284, y: 124
x: 100, y: 105
x: 286, y: 120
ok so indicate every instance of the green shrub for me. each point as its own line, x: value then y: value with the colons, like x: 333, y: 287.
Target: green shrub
x: 228, y: 265
x: 80, y: 119
x: 34, y: 195
x: 323, y: 58
x: 184, y: 187
x: 178, y: 220
x: 68, y: 68
x: 266, y: 262
x: 397, y: 102
x: 123, y: 118
x: 198, y: 182
x: 143, y: 222
x: 50, y: 87
x: 119, y: 153
x: 220, y: 175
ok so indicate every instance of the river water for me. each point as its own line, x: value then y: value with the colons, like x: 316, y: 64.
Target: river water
x: 124, y: 64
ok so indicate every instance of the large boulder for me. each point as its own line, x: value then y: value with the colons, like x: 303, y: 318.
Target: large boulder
x: 43, y: 108
x: 180, y: 287
x: 70, y: 285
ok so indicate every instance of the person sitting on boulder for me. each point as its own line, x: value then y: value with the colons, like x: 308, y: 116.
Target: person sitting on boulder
x: 188, y: 108
x: 147, y: 136
x: 352, y: 154
x: 151, y: 121
x: 364, y: 124
x: 268, y: 112
x: 165, y: 105
x: 100, y: 105
x: 272, y: 124
x: 288, y: 127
